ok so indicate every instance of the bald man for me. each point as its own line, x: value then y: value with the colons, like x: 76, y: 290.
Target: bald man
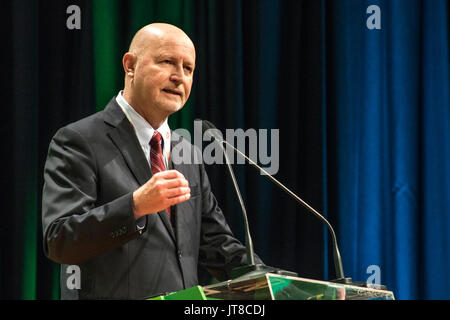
x: 122, y: 219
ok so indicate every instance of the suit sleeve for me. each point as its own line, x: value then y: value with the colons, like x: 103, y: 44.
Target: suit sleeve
x: 76, y: 228
x: 220, y: 251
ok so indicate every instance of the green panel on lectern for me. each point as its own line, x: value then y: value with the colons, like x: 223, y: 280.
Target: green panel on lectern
x: 194, y: 293
x: 293, y: 289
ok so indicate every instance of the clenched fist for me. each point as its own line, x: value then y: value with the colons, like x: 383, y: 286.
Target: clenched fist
x: 164, y: 189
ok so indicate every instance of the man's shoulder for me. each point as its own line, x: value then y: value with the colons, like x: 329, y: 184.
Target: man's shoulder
x: 89, y: 122
x: 93, y: 124
x: 89, y: 126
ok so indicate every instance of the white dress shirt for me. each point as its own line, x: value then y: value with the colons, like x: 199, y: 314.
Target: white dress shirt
x: 144, y: 130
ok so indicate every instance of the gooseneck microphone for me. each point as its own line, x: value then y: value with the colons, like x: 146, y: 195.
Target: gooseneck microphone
x: 212, y: 131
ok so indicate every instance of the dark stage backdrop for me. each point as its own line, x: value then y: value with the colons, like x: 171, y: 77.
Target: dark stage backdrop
x: 363, y: 116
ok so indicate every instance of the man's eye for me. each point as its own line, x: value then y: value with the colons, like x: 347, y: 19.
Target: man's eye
x: 166, y: 61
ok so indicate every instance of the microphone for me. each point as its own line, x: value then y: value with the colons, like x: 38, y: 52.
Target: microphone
x: 210, y: 129
x: 251, y: 268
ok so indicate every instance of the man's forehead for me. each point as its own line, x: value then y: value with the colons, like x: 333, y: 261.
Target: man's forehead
x: 168, y: 47
x: 176, y: 42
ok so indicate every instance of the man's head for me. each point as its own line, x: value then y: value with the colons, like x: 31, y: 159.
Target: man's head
x: 159, y: 69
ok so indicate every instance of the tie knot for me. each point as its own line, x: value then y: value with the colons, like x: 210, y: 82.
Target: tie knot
x: 156, y: 139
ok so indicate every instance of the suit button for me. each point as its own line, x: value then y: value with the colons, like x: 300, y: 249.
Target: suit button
x: 179, y: 254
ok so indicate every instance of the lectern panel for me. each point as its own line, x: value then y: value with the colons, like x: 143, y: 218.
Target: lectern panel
x: 277, y: 287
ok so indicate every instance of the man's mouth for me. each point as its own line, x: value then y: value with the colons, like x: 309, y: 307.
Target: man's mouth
x: 172, y: 91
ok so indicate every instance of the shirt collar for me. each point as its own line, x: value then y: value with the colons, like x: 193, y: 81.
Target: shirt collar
x: 144, y: 130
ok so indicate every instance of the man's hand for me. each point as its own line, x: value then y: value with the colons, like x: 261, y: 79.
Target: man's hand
x: 164, y: 189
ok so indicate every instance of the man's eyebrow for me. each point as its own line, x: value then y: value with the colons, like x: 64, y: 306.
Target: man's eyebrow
x: 162, y: 56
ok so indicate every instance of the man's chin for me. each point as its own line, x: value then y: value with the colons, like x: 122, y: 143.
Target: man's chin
x: 172, y: 108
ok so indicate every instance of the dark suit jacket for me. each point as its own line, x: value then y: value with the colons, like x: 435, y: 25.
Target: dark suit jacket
x: 92, y: 169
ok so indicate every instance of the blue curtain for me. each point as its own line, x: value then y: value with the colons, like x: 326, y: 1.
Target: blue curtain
x: 389, y: 91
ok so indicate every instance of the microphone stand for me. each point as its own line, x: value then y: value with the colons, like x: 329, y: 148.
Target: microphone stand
x: 253, y: 268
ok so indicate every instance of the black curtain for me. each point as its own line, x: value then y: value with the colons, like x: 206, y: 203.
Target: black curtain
x: 259, y: 65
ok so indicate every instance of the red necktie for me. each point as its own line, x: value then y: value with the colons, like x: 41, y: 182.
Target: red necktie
x: 156, y: 157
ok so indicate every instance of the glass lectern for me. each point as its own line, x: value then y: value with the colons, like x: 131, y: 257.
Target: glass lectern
x: 271, y: 286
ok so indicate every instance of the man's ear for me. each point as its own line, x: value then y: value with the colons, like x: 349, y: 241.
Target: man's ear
x: 129, y: 62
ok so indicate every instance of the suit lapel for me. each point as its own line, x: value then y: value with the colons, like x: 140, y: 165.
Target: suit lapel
x: 124, y: 138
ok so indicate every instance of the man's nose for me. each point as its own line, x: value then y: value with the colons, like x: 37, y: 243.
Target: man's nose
x: 177, y: 74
